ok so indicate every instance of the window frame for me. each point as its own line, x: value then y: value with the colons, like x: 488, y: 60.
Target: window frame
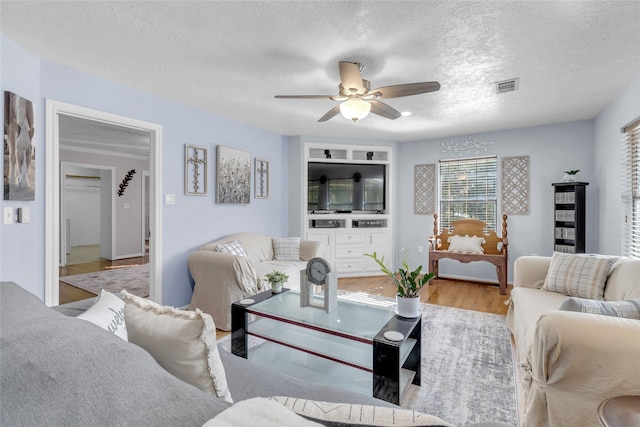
x: 490, y: 181
x: 630, y: 180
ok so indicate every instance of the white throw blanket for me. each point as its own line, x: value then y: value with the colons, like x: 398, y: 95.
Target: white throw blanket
x: 258, y: 412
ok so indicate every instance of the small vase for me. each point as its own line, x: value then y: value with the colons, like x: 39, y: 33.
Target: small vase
x: 408, y: 307
x: 569, y: 178
x: 276, y: 288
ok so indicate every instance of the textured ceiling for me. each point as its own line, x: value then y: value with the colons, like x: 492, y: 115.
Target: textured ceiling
x: 231, y: 58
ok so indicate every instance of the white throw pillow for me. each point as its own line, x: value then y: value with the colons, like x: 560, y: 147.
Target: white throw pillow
x: 182, y: 342
x: 466, y: 244
x: 108, y: 313
x: 233, y: 247
x: 578, y: 275
x: 287, y: 248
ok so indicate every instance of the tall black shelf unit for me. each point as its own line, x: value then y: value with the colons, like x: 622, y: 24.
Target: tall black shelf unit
x: 569, y: 217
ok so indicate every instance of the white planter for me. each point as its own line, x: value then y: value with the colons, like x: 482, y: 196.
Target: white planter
x: 408, y: 307
x: 276, y: 288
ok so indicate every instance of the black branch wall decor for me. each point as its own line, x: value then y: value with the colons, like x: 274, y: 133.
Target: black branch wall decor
x: 125, y: 182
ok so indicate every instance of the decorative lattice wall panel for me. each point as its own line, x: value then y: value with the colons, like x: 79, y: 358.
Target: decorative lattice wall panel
x: 515, y: 185
x: 424, y: 189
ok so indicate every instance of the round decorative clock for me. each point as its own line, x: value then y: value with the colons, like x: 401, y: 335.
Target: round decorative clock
x: 317, y: 270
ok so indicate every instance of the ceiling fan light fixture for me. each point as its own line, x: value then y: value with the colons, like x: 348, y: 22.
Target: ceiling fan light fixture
x: 355, y: 109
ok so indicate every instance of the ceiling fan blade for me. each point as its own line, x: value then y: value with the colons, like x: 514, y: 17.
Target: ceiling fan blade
x: 330, y: 114
x: 305, y: 96
x: 397, y: 91
x: 384, y: 110
x: 350, y: 77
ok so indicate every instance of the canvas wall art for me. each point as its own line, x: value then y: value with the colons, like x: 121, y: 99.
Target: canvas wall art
x: 233, y: 176
x: 19, y: 149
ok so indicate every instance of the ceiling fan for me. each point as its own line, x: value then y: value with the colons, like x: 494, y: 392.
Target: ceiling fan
x: 357, y: 99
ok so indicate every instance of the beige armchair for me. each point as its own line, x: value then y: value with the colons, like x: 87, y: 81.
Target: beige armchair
x: 223, y: 278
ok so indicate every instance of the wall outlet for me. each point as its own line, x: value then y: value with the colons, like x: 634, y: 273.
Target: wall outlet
x: 8, y: 215
x: 421, y: 249
x: 169, y: 199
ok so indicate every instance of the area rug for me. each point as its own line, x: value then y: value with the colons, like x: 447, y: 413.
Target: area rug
x: 467, y: 368
x: 135, y: 279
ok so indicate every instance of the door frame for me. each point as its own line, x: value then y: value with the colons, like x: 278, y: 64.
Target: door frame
x: 145, y: 177
x: 63, y: 195
x: 52, y: 193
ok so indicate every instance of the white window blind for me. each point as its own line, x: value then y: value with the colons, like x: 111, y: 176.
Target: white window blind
x: 631, y: 190
x: 468, y: 189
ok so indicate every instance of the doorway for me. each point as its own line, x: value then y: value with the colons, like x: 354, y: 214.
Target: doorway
x: 55, y: 111
x: 86, y: 209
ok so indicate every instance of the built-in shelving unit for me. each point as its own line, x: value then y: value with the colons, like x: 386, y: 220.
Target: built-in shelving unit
x: 349, y: 234
x: 569, y: 217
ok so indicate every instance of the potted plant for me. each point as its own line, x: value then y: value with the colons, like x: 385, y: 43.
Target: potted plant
x: 407, y: 284
x: 570, y: 176
x: 277, y: 279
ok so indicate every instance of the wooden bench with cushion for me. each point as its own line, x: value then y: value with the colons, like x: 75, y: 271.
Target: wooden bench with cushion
x: 466, y: 241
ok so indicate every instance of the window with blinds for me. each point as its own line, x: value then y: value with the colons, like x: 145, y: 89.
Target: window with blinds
x: 468, y: 189
x: 631, y: 190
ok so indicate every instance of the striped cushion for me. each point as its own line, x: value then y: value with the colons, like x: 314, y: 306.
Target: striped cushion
x: 578, y: 275
x: 234, y: 248
x: 629, y: 309
x: 353, y: 415
x: 286, y: 248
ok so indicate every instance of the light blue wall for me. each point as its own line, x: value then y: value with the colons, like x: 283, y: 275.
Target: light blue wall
x: 22, y: 245
x: 193, y: 220
x: 552, y: 149
x: 607, y: 151
x: 592, y: 146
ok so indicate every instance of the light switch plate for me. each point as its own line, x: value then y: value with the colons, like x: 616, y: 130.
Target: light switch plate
x: 8, y: 215
x: 24, y: 215
x: 169, y: 199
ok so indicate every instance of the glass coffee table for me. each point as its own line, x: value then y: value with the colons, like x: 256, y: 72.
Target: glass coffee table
x: 361, y: 346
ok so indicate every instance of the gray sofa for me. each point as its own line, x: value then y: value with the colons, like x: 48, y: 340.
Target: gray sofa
x: 59, y: 370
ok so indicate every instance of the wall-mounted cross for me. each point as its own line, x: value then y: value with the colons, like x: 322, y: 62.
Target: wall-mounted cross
x: 263, y: 174
x: 196, y: 161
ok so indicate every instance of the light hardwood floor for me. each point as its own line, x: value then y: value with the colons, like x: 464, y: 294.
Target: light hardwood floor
x: 70, y: 293
x: 452, y: 293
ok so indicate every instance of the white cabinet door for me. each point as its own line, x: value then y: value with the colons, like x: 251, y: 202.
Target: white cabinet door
x: 327, y: 238
x: 377, y: 241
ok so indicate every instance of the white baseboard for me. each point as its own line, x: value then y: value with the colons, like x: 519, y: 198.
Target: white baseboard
x: 139, y: 254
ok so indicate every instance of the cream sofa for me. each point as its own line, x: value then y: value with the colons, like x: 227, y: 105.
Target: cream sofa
x: 569, y: 362
x: 222, y: 278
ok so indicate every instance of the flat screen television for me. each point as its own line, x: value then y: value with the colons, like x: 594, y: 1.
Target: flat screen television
x: 346, y: 187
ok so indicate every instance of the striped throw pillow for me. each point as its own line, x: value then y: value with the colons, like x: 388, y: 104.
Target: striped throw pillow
x: 286, y: 248
x: 578, y: 275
